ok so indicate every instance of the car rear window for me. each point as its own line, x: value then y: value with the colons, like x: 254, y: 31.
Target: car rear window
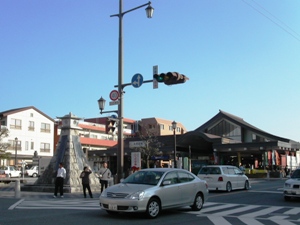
x: 210, y: 170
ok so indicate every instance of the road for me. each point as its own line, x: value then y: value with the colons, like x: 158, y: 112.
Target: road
x: 262, y: 204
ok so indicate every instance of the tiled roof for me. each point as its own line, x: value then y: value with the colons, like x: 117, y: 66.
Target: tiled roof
x: 91, y: 127
x: 97, y: 142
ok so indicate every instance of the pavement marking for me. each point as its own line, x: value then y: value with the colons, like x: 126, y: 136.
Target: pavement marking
x: 16, y: 204
x: 79, y: 204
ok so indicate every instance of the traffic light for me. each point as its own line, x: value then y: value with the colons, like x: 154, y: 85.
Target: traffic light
x: 111, y: 125
x: 170, y: 78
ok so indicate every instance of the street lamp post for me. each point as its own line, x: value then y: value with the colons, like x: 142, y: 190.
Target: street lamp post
x: 16, y: 150
x: 174, y: 126
x: 120, y: 154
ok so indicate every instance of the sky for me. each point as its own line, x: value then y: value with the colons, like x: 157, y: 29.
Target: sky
x: 241, y: 56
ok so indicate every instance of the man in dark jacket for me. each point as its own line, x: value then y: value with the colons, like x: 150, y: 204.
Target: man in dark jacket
x: 86, y: 181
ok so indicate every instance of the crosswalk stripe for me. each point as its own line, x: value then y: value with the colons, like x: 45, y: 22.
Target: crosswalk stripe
x: 218, y: 220
x: 280, y: 220
x: 80, y: 204
x: 236, y: 210
x: 262, y: 212
x: 250, y: 221
x: 218, y: 207
x: 293, y: 211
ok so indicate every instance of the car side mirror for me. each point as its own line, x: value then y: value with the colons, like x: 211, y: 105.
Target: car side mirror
x: 166, y: 182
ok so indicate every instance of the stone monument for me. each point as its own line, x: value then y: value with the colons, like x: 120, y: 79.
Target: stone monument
x: 70, y: 153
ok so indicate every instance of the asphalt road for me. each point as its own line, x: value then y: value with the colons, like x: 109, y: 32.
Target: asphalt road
x: 262, y: 204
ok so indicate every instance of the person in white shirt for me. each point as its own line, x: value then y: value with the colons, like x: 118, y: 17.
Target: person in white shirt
x: 59, y: 181
x: 105, y: 175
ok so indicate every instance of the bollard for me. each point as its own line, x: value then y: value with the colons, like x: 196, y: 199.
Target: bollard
x: 268, y: 175
x: 17, y: 189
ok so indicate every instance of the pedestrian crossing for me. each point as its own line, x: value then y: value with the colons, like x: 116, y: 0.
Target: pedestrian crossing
x: 223, y: 214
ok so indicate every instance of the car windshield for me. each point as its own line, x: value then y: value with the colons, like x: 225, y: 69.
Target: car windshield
x: 296, y: 174
x: 144, y: 177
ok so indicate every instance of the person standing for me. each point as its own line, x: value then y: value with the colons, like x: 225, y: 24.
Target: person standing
x: 86, y: 181
x: 59, y: 181
x: 104, y: 174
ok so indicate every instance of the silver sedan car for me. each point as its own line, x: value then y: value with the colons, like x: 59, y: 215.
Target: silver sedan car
x: 291, y: 187
x: 153, y: 190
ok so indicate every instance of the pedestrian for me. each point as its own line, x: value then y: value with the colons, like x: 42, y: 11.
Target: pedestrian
x: 86, y: 181
x: 242, y: 168
x: 104, y: 175
x: 59, y: 181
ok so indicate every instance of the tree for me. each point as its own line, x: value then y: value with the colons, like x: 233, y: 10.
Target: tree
x: 4, y: 132
x: 151, y: 147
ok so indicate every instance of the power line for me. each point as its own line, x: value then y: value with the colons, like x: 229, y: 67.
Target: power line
x: 287, y: 29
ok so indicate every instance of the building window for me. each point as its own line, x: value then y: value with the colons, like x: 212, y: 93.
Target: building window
x: 178, y: 129
x: 45, y: 147
x: 31, y: 114
x: 15, y: 124
x: 171, y: 128
x: 93, y: 136
x: 32, y: 145
x: 151, y: 126
x: 31, y: 126
x: 45, y: 127
x: 162, y: 126
x: 26, y: 145
x: 12, y: 145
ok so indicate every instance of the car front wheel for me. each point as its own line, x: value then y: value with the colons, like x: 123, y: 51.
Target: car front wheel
x: 247, y: 186
x: 153, y: 208
x: 34, y: 175
x: 198, y: 203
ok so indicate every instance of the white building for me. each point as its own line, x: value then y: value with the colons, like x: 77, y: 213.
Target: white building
x: 30, y: 131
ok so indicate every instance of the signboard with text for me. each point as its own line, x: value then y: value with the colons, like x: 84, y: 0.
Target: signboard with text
x: 136, y: 159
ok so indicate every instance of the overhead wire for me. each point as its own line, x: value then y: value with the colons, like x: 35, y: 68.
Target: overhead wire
x: 287, y: 29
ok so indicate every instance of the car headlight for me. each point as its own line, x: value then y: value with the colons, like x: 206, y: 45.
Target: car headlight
x: 137, y: 195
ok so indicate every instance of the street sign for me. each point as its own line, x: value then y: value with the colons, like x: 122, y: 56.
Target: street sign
x: 137, y: 144
x: 137, y: 80
x: 114, y: 103
x: 114, y: 95
x: 155, y: 71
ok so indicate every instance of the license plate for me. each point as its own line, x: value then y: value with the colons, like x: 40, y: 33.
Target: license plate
x: 112, y: 207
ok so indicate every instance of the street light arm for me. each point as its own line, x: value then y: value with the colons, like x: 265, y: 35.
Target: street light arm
x: 123, y: 13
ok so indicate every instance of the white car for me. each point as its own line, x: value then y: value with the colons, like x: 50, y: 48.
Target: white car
x: 10, y: 171
x: 155, y: 189
x: 224, y: 178
x: 292, y: 186
x: 32, y: 172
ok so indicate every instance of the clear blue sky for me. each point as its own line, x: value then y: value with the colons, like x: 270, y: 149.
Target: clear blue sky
x: 242, y: 56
